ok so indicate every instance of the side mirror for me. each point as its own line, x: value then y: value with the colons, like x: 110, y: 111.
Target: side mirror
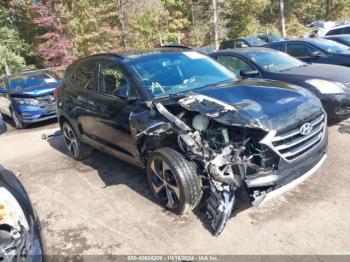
x: 3, y: 90
x: 122, y: 93
x: 316, y: 54
x: 248, y: 73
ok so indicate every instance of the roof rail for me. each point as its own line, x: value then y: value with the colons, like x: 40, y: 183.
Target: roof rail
x: 176, y: 46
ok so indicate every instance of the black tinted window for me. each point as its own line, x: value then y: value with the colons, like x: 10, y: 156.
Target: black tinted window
x: 111, y: 78
x: 85, y: 76
x: 277, y: 47
x: 346, y: 30
x: 335, y: 31
x: 299, y: 50
x: 227, y: 45
x: 235, y: 64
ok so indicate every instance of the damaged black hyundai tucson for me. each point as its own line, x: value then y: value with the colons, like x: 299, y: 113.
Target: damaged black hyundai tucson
x: 199, y: 132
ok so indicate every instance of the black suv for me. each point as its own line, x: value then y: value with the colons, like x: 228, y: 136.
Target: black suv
x: 193, y: 126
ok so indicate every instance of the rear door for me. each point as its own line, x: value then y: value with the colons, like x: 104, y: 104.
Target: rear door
x: 85, y: 92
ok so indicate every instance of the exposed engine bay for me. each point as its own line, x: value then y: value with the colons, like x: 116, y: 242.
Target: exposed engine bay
x: 13, y: 243
x: 226, y: 156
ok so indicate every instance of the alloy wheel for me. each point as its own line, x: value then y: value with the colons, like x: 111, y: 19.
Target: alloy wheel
x: 164, y: 184
x: 70, y: 140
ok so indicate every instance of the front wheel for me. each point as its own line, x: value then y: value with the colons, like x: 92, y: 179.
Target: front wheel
x: 76, y: 149
x: 17, y: 121
x: 174, y: 180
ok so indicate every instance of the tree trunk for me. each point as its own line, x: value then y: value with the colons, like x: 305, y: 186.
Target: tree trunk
x: 216, y: 25
x: 7, y: 68
x: 282, y: 18
x: 121, y: 16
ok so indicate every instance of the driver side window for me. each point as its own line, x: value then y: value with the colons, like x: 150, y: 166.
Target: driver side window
x: 110, y: 79
x: 234, y: 64
x: 299, y: 50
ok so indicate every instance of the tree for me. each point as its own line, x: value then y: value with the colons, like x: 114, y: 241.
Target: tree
x: 243, y: 16
x: 13, y: 49
x: 54, y: 46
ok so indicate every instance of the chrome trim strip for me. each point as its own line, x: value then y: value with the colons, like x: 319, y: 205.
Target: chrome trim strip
x: 271, y: 138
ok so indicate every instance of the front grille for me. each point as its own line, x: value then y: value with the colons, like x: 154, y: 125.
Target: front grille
x: 291, y: 144
x: 47, y: 103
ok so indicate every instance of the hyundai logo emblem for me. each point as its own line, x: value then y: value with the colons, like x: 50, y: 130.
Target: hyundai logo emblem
x: 306, y: 129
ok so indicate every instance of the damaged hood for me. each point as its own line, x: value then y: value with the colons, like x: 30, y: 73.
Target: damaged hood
x: 255, y: 103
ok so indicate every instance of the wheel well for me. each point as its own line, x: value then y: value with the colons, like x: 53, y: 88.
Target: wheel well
x: 62, y: 120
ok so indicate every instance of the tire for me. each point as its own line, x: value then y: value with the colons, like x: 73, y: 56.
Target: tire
x: 3, y: 127
x: 76, y: 149
x: 17, y: 121
x: 180, y: 190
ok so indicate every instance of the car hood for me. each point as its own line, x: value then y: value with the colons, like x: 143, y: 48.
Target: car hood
x: 329, y: 72
x: 255, y: 103
x: 36, y: 90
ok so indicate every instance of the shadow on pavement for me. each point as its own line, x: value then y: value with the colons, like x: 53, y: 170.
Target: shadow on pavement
x: 112, y: 171
x: 116, y: 172
x: 344, y: 127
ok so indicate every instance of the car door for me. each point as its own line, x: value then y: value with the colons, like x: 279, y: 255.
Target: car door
x: 303, y: 52
x: 235, y: 64
x: 5, y: 102
x: 85, y: 110
x: 114, y: 108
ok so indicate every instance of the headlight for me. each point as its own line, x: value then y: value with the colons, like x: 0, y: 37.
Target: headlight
x: 11, y: 212
x: 27, y: 101
x: 326, y: 87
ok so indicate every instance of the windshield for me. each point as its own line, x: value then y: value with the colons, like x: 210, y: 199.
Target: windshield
x: 254, y: 41
x: 24, y: 81
x: 274, y: 61
x: 330, y: 46
x: 172, y: 73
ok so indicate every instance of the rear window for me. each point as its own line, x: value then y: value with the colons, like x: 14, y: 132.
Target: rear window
x: 227, y: 45
x: 335, y: 31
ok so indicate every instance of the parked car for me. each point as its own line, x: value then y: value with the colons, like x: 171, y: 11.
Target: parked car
x: 338, y: 30
x: 20, y: 238
x: 193, y: 126
x: 342, y: 39
x: 241, y: 42
x: 315, y: 50
x: 270, y: 38
x: 28, y: 97
x: 330, y: 83
x: 3, y: 127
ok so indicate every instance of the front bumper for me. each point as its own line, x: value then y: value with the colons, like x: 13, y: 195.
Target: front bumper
x: 337, y: 106
x: 33, y: 114
x: 289, y: 174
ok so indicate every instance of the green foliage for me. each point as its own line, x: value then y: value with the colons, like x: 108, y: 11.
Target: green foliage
x: 13, y: 49
x: 242, y: 16
x: 90, y: 26
x: 145, y: 24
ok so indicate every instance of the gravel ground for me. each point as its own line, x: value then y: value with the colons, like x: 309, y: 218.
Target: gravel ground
x: 104, y: 206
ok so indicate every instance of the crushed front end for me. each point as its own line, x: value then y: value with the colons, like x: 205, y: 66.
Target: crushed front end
x: 236, y: 153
